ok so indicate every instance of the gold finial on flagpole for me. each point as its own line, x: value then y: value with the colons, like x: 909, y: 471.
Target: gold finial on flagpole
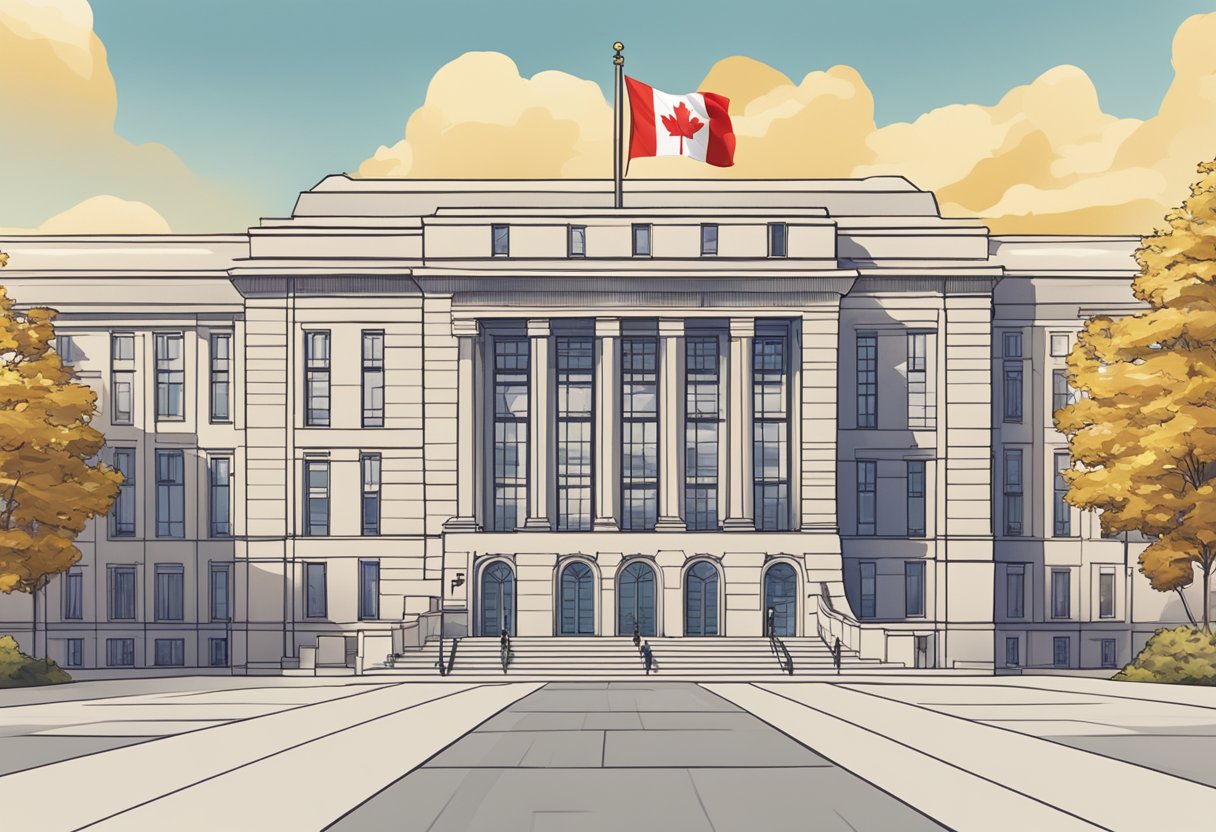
x: 618, y: 58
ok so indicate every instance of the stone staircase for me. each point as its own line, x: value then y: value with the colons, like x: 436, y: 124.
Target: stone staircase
x: 615, y: 657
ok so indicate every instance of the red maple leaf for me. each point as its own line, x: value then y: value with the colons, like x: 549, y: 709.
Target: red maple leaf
x: 679, y: 124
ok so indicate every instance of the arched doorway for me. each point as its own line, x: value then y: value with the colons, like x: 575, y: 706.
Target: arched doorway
x: 781, y: 595
x: 577, y: 603
x: 635, y: 600
x: 701, y: 600
x: 497, y: 599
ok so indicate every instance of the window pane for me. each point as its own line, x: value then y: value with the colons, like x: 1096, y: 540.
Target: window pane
x: 867, y: 380
x: 220, y: 592
x: 575, y: 459
x: 641, y: 240
x: 709, y: 240
x: 511, y: 372
x: 373, y: 379
x: 776, y: 239
x: 170, y: 494
x: 1061, y: 598
x: 170, y: 592
x: 914, y: 589
x: 315, y: 590
x: 221, y: 377
x: 916, y: 497
x: 370, y: 471
x: 316, y: 498
x: 867, y: 494
x: 702, y: 420
x: 369, y: 589
x: 220, y: 480
x: 869, y: 586
x: 170, y: 375
x: 770, y: 432
x: 122, y: 514
x: 1013, y: 492
x: 640, y: 432
x: 1106, y: 595
x: 73, y: 596
x: 501, y: 235
x: 578, y: 241
x: 1015, y: 590
x: 121, y: 593
x: 1062, y: 513
x: 316, y: 379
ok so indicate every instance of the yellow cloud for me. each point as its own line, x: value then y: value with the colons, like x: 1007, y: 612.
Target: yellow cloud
x: 102, y: 214
x: 1043, y: 159
x: 57, y: 141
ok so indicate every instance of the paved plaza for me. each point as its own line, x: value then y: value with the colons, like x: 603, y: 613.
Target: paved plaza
x: 862, y: 753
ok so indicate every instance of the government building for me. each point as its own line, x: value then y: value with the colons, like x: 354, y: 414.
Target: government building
x: 461, y: 407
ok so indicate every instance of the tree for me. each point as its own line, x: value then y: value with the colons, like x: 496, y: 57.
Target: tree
x: 1143, y: 432
x: 50, y: 487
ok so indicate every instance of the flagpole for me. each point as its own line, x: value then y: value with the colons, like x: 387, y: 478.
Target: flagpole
x: 618, y: 128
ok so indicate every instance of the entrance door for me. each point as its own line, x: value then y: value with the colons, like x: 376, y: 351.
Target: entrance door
x: 701, y: 601
x: 635, y: 600
x: 577, y: 600
x: 497, y: 599
x: 781, y: 596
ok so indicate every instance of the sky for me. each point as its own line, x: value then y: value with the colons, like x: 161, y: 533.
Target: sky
x: 259, y: 99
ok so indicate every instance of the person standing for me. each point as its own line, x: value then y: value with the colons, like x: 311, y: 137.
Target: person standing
x: 647, y: 656
x: 772, y: 622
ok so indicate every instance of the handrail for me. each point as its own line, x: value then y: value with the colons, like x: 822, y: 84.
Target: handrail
x: 447, y: 670
x: 784, y: 659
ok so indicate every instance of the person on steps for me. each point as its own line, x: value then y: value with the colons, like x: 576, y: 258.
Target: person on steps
x: 647, y: 656
x: 637, y: 635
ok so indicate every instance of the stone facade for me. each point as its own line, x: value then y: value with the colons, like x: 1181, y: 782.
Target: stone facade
x: 421, y: 406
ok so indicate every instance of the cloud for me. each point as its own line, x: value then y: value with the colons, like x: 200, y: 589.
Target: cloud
x: 58, y: 146
x: 1044, y: 159
x: 102, y: 214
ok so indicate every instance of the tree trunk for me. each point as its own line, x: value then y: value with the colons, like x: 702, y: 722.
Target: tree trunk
x: 1207, y: 597
x: 1186, y: 608
x: 34, y: 645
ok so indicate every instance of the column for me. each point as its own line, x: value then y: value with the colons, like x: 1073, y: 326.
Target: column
x: 607, y: 423
x: 539, y: 419
x: 740, y: 514
x: 467, y: 402
x: 671, y: 426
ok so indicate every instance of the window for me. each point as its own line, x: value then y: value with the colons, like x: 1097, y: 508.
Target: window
x: 170, y: 591
x: 170, y: 652
x: 641, y: 240
x: 369, y: 465
x: 170, y: 494
x: 369, y: 589
x: 578, y: 241
x: 315, y: 590
x: 1015, y: 590
x: 120, y: 652
x: 709, y: 240
x: 1061, y: 393
x: 1011, y: 652
x: 122, y: 379
x: 219, y: 486
x: 639, y: 433
x: 122, y: 513
x: 1013, y: 377
x: 868, y: 588
x: 1106, y: 592
x: 770, y: 452
x: 373, y: 379
x: 575, y: 369
x: 170, y: 376
x: 1061, y: 598
x: 1013, y: 492
x: 73, y: 596
x: 867, y: 496
x: 316, y: 497
x: 511, y: 369
x: 500, y: 236
x: 121, y: 593
x: 776, y: 239
x: 922, y: 413
x: 221, y: 377
x: 217, y: 652
x: 914, y: 589
x: 316, y: 379
x: 74, y: 653
x: 867, y: 380
x: 1060, y: 651
x: 1062, y: 511
x: 1109, y: 656
x: 916, y: 497
x: 220, y: 580
x: 702, y: 420
x: 1059, y: 344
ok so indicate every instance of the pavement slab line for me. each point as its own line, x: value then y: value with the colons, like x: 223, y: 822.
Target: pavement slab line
x: 112, y: 781
x: 952, y: 796
x: 346, y: 768
x: 1075, y: 783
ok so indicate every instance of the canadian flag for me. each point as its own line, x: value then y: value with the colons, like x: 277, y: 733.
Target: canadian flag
x: 695, y: 125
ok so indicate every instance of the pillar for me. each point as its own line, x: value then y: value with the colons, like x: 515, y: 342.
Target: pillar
x: 740, y: 512
x: 467, y: 402
x: 607, y: 423
x: 671, y: 427
x: 539, y: 419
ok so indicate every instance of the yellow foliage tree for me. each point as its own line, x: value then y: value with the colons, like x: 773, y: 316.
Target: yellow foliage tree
x: 1143, y: 433
x: 49, y: 486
